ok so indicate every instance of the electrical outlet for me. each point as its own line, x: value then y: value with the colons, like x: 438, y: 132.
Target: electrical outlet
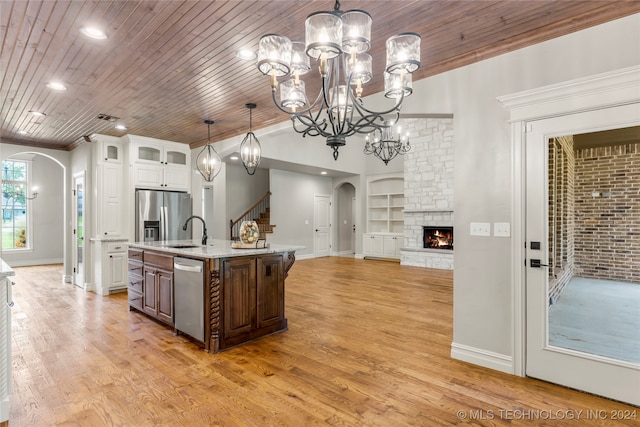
x: 480, y: 229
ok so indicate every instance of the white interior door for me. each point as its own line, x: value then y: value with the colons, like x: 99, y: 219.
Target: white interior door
x: 600, y: 375
x: 322, y: 224
x: 78, y: 230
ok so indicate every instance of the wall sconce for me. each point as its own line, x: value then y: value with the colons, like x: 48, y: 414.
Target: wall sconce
x: 34, y: 193
x: 18, y: 194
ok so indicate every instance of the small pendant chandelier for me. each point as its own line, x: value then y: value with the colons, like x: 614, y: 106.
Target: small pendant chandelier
x: 384, y: 145
x: 250, y: 150
x: 208, y: 161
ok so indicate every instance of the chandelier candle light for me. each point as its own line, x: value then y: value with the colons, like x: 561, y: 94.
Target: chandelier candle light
x: 208, y: 161
x: 250, y: 150
x: 338, y: 42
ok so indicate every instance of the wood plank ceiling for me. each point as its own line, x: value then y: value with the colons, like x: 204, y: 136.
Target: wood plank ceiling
x: 168, y: 65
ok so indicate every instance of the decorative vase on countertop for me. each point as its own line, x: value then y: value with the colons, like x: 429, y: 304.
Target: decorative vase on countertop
x: 249, y: 232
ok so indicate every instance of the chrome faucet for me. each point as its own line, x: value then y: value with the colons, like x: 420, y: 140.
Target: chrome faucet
x: 204, y: 227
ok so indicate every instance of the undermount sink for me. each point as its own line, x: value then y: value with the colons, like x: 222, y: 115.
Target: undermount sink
x: 183, y: 246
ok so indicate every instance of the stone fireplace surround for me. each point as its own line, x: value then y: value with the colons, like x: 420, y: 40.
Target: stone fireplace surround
x: 428, y: 188
x: 412, y: 252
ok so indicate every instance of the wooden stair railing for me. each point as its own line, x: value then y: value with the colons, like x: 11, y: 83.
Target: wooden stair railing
x: 260, y: 213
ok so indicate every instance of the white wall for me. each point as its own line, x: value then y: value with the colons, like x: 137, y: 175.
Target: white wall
x: 49, y: 244
x: 292, y: 207
x: 243, y: 190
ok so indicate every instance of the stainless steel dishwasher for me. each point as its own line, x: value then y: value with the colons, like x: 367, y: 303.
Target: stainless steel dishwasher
x: 188, y: 296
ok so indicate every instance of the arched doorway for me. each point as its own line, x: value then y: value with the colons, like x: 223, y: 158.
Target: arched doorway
x: 346, y: 223
x: 47, y: 230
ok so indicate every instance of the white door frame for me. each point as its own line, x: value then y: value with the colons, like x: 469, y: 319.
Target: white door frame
x: 602, y: 91
x: 74, y: 241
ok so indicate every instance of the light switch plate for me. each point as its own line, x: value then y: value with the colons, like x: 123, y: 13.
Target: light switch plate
x: 480, y: 229
x: 501, y: 229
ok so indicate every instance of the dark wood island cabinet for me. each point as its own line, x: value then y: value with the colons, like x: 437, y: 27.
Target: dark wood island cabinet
x: 244, y: 291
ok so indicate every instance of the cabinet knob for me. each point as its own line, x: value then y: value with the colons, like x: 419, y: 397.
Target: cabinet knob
x: 110, y: 256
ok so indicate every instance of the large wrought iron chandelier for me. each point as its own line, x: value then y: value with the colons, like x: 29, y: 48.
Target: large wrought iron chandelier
x: 338, y: 42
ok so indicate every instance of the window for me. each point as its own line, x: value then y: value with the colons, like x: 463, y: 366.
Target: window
x: 15, y: 209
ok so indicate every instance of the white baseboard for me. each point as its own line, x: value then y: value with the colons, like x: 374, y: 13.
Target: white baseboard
x: 481, y: 357
x: 343, y: 253
x: 306, y: 256
x: 29, y: 262
x: 67, y: 278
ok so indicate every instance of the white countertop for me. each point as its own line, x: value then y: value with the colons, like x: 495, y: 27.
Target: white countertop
x: 5, y: 270
x: 108, y: 239
x: 214, y: 249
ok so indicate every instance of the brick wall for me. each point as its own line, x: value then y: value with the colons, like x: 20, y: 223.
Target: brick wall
x: 607, y: 213
x: 428, y: 188
x: 561, y: 214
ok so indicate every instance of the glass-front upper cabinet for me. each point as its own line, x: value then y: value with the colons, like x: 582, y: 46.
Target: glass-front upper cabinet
x: 176, y: 157
x: 162, y: 154
x: 110, y: 149
x: 151, y: 154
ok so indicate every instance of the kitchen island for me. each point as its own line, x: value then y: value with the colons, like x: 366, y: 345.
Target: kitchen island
x: 242, y: 289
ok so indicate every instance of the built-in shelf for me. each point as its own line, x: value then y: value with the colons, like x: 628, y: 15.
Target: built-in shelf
x: 385, y: 217
x: 385, y: 204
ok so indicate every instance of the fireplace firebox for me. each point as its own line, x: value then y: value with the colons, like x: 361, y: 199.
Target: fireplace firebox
x: 438, y: 237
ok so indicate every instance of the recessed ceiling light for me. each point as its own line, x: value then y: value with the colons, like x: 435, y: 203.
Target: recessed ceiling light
x: 56, y: 86
x: 23, y: 132
x: 234, y: 157
x: 93, y: 32
x: 246, y: 54
x: 323, y: 173
x: 121, y: 127
x: 37, y: 113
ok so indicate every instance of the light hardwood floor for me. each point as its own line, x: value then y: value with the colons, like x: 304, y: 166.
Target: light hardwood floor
x: 368, y: 345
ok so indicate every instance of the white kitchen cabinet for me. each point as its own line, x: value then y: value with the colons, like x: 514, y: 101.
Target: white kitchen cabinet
x: 110, y: 151
x: 160, y: 164
x: 109, y: 181
x: 110, y: 266
x: 110, y: 200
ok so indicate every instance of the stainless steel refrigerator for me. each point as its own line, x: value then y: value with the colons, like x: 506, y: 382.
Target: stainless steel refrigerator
x: 160, y: 215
